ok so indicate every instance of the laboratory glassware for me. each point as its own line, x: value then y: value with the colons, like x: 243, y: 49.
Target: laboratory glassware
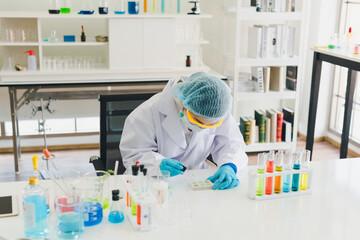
x: 103, y: 7
x: 287, y: 167
x: 54, y: 6
x: 83, y: 37
x: 278, y: 168
x: 119, y: 7
x: 188, y: 61
x: 115, y: 215
x: 87, y: 7
x: 261, y: 165
x: 269, y: 169
x: 305, y: 164
x: 32, y: 63
x: 296, y: 166
x: 65, y: 6
x: 133, y: 7
x: 91, y: 190
x: 70, y: 219
x: 35, y: 210
x: 134, y: 183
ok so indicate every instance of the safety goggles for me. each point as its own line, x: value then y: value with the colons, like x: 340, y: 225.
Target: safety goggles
x: 194, y: 121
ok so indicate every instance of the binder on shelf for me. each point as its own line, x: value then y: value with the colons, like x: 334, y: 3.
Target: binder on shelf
x: 277, y: 78
x: 273, y: 128
x: 279, y: 125
x: 257, y: 75
x: 289, y: 117
x: 245, y: 129
x: 286, y: 131
x: 267, y: 129
x: 266, y: 79
x: 260, y: 118
x: 277, y: 36
x: 291, y: 76
x: 255, y: 39
x: 252, y: 130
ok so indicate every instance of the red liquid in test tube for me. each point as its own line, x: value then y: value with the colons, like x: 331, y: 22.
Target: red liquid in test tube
x: 269, y: 180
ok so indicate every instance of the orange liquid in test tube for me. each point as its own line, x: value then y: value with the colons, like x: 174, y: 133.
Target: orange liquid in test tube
x: 269, y: 180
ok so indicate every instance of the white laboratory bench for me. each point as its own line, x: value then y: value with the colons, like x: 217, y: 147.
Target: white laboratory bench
x: 330, y: 212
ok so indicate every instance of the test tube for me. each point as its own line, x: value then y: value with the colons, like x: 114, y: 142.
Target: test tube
x: 287, y: 167
x: 261, y: 164
x: 305, y: 165
x: 269, y: 169
x: 278, y: 168
x: 296, y: 176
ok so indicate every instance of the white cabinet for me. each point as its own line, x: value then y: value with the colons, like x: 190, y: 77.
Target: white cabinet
x: 159, y: 43
x: 125, y: 44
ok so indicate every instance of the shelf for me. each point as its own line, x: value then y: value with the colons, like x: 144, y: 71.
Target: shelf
x: 19, y: 44
x: 46, y: 15
x: 96, y: 75
x: 192, y: 42
x: 270, y: 16
x: 262, y: 147
x: 53, y: 44
x: 286, y: 94
x: 265, y: 62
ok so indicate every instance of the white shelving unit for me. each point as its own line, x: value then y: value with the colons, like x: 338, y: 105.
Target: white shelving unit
x: 168, y: 62
x: 233, y: 42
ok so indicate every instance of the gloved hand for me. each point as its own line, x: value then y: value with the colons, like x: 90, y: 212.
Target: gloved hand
x: 224, y: 178
x: 171, y: 165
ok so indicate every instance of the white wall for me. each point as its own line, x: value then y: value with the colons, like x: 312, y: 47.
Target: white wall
x: 324, y: 18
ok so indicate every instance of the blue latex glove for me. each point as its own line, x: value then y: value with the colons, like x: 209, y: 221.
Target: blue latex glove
x: 224, y: 178
x: 171, y: 165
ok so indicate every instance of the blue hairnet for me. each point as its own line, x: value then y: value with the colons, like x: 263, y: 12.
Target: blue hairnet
x: 204, y: 95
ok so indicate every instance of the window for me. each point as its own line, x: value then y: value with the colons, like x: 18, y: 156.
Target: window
x: 56, y: 126
x: 349, y: 18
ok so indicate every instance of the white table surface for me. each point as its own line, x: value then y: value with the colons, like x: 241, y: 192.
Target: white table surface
x: 330, y: 212
x: 340, y: 53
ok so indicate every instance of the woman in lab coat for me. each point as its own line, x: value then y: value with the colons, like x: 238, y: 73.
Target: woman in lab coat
x: 181, y: 126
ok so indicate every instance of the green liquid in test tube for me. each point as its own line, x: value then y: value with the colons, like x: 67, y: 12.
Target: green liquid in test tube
x: 260, y: 181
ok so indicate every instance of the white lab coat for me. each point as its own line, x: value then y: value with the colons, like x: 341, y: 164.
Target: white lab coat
x: 154, y: 131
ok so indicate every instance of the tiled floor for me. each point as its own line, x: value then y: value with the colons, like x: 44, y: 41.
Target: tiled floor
x: 79, y: 160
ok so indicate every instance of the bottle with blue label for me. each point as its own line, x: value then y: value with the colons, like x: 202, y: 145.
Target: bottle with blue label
x: 34, y: 210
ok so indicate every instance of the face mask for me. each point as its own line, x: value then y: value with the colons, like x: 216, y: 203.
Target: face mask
x: 190, y: 126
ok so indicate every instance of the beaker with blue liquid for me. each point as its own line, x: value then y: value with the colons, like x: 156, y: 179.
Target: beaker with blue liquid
x: 91, y: 190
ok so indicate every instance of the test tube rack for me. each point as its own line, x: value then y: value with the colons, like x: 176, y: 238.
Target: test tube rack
x: 144, y: 201
x: 253, y: 176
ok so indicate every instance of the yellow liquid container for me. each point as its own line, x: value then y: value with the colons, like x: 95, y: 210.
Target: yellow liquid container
x: 260, y: 182
x: 304, y: 181
x: 277, y: 188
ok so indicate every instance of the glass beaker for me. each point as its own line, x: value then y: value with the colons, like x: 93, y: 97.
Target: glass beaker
x: 87, y: 7
x: 54, y: 6
x: 65, y: 6
x: 119, y: 7
x: 91, y: 190
x: 103, y: 7
x: 133, y: 7
x: 70, y: 221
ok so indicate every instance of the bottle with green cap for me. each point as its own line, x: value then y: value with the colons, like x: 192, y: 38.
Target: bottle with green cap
x: 35, y: 209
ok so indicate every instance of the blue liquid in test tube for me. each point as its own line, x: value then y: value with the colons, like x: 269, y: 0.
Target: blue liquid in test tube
x: 296, y: 176
x: 162, y: 6
x: 287, y: 182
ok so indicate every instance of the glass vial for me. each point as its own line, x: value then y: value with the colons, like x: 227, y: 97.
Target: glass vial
x: 260, y: 181
x: 103, y: 7
x: 120, y: 7
x: 296, y: 166
x: 133, y: 7
x: 269, y: 169
x: 305, y: 165
x: 54, y: 6
x: 287, y: 167
x: 188, y: 61
x: 65, y: 6
x: 278, y: 168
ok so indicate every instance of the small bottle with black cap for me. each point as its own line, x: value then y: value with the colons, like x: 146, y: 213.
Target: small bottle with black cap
x: 135, y: 182
x: 116, y: 215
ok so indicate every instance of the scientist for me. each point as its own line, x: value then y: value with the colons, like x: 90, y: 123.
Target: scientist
x: 181, y: 126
